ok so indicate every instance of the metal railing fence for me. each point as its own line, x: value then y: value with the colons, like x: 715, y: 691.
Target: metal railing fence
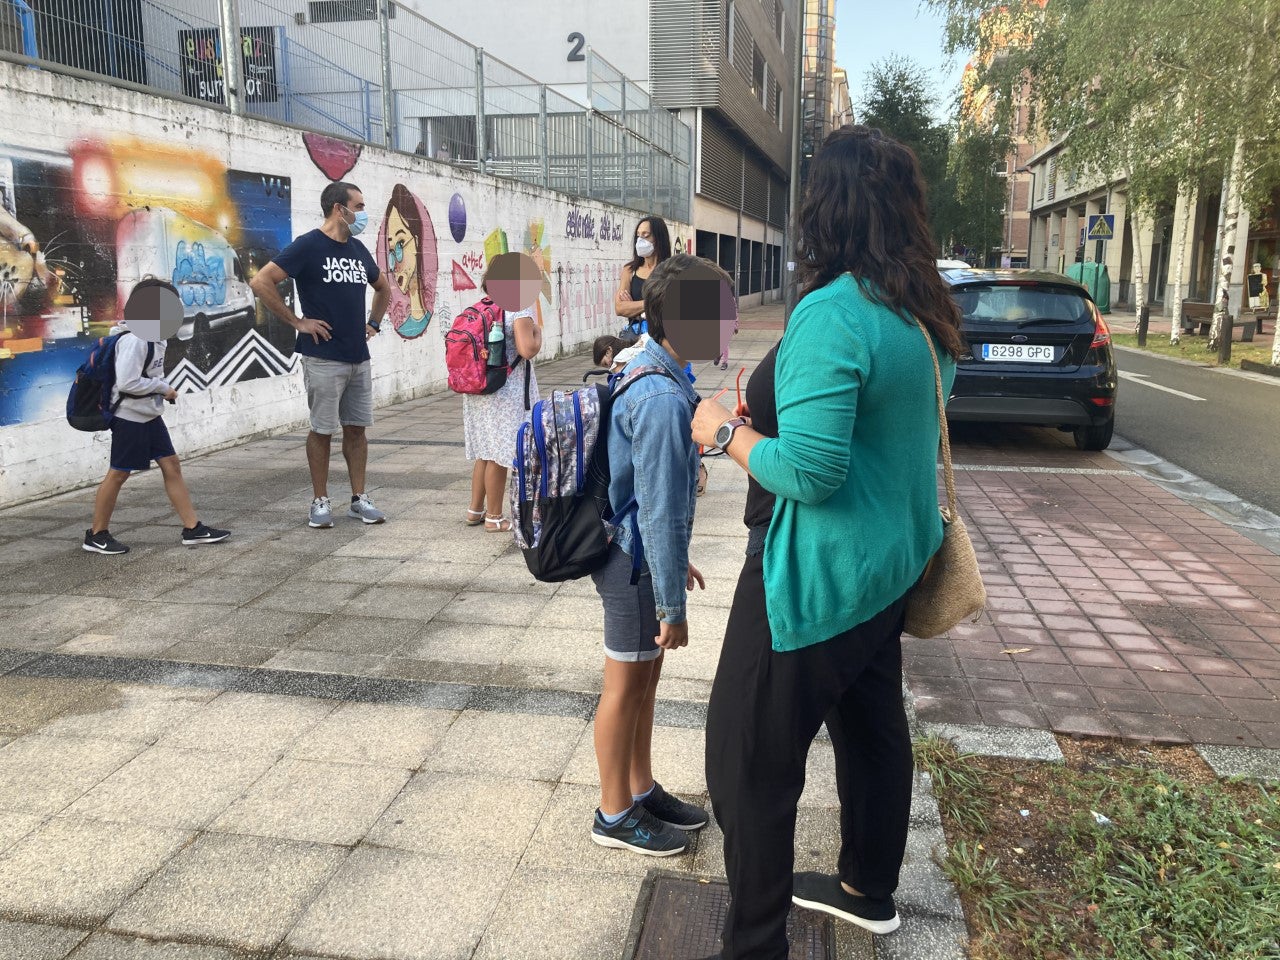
x: 372, y: 71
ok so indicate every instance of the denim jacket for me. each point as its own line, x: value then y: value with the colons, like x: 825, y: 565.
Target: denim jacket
x: 653, y: 458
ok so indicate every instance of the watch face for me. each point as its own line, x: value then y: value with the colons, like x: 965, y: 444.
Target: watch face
x: 724, y: 434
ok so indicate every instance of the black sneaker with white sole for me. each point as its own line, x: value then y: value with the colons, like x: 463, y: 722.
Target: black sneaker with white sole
x: 823, y: 892
x: 194, y: 536
x: 641, y: 832
x: 673, y: 811
x: 103, y: 542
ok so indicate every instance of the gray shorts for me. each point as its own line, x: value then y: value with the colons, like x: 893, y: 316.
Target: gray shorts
x: 630, y: 613
x: 338, y: 393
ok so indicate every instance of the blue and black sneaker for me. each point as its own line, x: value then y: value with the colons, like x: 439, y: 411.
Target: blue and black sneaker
x: 673, y: 811
x: 640, y: 831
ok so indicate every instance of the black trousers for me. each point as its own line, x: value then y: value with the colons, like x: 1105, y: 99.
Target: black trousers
x: 766, y: 708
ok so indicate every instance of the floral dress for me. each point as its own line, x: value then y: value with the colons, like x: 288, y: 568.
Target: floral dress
x: 490, y: 421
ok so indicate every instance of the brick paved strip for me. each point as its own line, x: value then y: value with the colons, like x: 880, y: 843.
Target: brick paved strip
x: 1116, y: 608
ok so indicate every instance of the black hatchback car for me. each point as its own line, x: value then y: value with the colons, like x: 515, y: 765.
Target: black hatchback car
x: 1040, y: 354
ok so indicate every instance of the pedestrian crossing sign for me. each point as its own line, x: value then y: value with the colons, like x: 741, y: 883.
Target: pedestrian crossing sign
x: 1102, y: 226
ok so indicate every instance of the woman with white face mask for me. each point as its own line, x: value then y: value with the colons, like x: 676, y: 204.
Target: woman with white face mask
x: 650, y: 246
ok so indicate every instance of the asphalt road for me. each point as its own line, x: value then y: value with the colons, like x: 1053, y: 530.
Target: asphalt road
x: 1230, y: 437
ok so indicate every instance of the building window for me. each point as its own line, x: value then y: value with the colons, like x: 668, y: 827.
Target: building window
x: 757, y: 72
x: 728, y: 30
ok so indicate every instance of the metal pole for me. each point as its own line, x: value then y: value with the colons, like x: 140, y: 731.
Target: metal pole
x: 591, y: 181
x: 793, y: 191
x: 544, y: 136
x: 622, y: 176
x: 388, y: 95
x: 232, y: 64
x: 480, y: 138
x: 653, y: 161
x: 737, y: 257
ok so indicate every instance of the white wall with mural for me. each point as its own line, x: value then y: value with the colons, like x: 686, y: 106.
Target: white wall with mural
x: 100, y: 186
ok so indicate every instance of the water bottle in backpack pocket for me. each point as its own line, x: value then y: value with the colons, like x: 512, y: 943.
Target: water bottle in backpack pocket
x: 476, y: 363
x: 89, y: 404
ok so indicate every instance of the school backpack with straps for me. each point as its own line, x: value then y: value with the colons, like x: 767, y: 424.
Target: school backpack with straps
x: 467, y: 348
x: 89, y: 405
x: 560, y: 482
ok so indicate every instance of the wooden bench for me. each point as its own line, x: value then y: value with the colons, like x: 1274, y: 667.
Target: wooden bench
x: 1196, y: 311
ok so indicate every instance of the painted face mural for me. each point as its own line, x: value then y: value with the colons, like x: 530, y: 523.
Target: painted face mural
x: 407, y: 252
x: 80, y: 228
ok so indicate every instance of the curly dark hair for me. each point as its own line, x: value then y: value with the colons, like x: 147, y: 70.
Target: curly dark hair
x: 864, y: 213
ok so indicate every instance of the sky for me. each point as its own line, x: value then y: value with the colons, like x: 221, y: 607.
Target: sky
x: 867, y: 30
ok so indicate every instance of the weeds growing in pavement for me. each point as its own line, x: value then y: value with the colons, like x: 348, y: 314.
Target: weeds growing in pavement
x: 1123, y: 862
x: 958, y: 783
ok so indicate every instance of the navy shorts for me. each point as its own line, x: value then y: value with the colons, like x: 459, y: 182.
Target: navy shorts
x: 630, y: 612
x: 134, y: 445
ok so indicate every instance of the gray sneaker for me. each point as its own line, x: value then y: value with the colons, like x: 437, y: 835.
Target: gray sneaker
x: 362, y: 508
x: 321, y: 513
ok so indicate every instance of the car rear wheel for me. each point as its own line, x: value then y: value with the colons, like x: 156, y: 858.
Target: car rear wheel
x: 1095, y: 438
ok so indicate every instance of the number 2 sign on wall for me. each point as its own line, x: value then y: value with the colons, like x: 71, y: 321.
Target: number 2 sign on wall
x: 578, y: 41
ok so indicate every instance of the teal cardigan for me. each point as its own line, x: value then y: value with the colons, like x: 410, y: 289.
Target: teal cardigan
x: 854, y: 465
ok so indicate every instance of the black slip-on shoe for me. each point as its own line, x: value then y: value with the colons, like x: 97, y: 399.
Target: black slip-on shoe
x: 823, y: 892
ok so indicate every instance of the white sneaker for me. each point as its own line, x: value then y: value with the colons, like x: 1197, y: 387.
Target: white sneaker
x: 362, y: 508
x: 321, y: 513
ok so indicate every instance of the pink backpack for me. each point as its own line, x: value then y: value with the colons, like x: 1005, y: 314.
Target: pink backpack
x: 466, y: 351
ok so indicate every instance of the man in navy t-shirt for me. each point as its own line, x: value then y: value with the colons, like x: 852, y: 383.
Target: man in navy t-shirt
x: 331, y: 270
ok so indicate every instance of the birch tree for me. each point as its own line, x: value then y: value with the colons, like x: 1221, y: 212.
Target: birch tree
x: 1165, y: 90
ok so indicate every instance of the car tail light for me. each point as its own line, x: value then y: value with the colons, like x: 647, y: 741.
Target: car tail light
x: 1102, y: 401
x: 1101, y: 332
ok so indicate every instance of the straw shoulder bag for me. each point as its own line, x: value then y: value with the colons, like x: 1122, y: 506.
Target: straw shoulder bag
x: 950, y: 590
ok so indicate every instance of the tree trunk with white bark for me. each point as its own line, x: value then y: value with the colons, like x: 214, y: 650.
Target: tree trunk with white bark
x: 1227, y: 242
x: 1190, y: 199
x: 1139, y: 278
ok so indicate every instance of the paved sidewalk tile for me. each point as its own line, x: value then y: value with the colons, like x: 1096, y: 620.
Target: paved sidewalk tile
x: 43, y: 775
x: 35, y: 941
x: 249, y: 723
x: 463, y: 816
x: 163, y: 786
x: 287, y: 802
x: 244, y: 892
x: 559, y: 915
x: 395, y: 905
x: 386, y: 735
x: 111, y: 946
x: 81, y: 870
x: 507, y: 745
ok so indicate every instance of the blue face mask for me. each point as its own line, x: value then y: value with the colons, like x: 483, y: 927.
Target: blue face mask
x: 361, y: 221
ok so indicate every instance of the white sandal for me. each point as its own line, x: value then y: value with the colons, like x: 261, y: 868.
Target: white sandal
x: 474, y: 518
x: 496, y: 524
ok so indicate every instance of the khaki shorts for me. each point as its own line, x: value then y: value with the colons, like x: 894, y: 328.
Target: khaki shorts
x: 338, y: 393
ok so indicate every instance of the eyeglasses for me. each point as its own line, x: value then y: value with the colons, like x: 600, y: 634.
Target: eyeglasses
x: 396, y: 254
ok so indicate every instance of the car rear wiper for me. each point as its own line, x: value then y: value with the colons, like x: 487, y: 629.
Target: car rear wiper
x: 1045, y: 322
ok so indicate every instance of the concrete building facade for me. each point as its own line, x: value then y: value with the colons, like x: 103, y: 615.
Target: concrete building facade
x: 726, y: 66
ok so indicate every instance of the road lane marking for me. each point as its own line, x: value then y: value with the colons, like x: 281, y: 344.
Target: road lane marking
x: 1142, y: 378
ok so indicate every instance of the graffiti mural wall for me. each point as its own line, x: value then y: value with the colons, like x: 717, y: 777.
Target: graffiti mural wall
x: 81, y: 227
x: 101, y: 186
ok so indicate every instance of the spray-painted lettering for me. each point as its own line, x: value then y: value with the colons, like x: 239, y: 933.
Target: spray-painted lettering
x: 579, y: 225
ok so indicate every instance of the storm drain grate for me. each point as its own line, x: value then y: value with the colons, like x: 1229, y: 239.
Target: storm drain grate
x: 678, y: 918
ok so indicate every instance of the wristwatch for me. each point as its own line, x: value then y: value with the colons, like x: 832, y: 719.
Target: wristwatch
x: 724, y: 433
x: 377, y: 327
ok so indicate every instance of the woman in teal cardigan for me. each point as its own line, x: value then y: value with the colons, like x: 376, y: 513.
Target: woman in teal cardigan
x: 841, y: 448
